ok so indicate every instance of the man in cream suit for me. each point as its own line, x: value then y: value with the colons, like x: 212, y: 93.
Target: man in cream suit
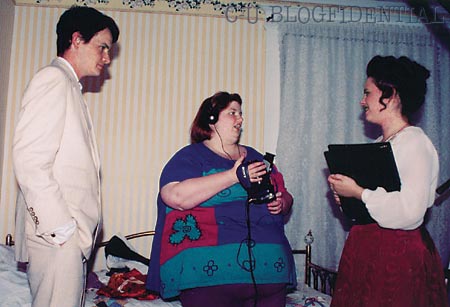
x: 56, y: 163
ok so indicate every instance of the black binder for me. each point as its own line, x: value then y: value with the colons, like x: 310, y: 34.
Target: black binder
x: 371, y: 165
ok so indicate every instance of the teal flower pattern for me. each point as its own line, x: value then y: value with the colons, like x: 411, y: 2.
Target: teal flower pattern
x: 279, y: 265
x: 210, y: 268
x: 183, y: 228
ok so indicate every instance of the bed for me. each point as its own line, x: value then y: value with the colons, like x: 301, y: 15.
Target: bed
x: 122, y: 283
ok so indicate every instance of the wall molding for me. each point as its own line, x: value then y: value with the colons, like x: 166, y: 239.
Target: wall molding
x: 220, y: 8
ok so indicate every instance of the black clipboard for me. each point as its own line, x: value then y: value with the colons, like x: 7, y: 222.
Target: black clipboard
x: 371, y: 165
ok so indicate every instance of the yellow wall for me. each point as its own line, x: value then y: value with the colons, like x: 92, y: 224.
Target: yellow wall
x: 6, y: 24
x: 166, y: 65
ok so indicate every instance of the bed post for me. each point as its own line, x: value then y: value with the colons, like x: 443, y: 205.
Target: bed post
x: 309, y: 239
x: 9, y: 240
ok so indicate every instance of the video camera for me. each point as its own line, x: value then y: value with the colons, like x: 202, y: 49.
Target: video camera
x: 258, y: 192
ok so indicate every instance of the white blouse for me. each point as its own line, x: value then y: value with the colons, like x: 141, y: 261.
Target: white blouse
x: 418, y: 168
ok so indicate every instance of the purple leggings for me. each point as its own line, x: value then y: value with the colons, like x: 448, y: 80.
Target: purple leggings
x: 235, y: 295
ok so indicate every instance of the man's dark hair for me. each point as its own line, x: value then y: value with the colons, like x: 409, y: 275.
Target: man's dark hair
x: 85, y: 20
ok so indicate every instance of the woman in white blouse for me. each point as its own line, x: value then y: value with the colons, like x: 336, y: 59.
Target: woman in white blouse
x: 393, y: 262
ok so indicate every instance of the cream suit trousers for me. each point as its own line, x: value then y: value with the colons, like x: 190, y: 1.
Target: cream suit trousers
x: 56, y: 273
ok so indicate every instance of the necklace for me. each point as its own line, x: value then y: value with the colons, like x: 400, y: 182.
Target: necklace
x: 229, y: 156
x: 223, y: 153
x: 392, y: 136
x: 223, y: 148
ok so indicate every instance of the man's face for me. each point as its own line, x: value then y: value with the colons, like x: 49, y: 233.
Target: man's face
x: 94, y: 54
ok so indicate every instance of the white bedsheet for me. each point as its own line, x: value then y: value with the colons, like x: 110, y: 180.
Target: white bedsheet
x: 14, y: 290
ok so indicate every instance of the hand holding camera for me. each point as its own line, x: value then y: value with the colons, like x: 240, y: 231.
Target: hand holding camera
x: 256, y: 170
x: 254, y: 176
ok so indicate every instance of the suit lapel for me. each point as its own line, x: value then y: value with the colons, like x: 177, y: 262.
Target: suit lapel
x: 87, y: 117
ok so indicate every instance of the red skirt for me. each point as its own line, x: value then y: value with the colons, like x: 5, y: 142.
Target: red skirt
x: 384, y: 267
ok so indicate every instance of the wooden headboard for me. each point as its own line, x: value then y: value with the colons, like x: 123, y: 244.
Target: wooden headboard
x: 132, y: 236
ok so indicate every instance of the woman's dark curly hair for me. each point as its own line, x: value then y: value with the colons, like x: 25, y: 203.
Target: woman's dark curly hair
x: 406, y: 77
x: 211, y: 106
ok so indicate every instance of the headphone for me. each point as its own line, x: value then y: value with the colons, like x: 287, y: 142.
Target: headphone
x: 213, y: 114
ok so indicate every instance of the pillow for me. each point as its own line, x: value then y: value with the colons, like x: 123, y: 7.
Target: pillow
x: 121, y: 254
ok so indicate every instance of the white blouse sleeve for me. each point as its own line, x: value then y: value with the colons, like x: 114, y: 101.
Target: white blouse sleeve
x: 418, y: 167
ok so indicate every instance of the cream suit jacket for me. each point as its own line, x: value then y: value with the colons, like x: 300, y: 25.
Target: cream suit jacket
x: 55, y: 160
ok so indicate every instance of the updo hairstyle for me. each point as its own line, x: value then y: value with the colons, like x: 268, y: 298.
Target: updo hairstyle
x: 406, y: 77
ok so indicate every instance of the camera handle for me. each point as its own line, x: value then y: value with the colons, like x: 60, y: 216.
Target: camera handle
x: 243, y: 175
x: 242, y: 170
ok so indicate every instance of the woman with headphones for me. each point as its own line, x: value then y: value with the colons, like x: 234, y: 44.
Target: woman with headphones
x: 213, y: 248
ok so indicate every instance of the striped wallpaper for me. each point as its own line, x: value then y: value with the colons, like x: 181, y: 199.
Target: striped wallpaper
x: 164, y: 66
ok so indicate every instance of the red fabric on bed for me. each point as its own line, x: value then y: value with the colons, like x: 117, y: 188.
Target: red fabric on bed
x: 127, y: 285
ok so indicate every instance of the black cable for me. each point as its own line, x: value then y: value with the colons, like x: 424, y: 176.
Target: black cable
x: 223, y: 148
x: 250, y: 244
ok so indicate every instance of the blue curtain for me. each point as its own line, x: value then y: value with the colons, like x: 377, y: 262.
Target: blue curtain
x: 322, y: 72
